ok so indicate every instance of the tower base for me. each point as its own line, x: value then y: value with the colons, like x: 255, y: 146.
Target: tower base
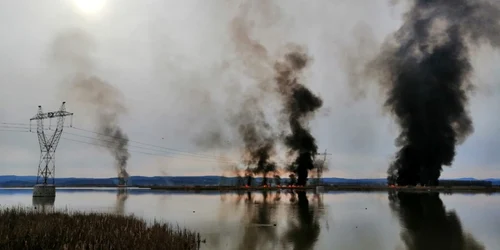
x: 44, y: 190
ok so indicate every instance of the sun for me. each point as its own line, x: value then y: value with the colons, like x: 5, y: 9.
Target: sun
x: 90, y: 6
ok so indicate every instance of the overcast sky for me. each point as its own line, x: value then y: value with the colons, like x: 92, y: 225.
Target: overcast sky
x: 177, y: 66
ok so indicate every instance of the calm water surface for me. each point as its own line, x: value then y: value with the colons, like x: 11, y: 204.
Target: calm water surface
x: 335, y: 220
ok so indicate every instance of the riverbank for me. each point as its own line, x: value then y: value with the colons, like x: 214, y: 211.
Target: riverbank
x: 448, y: 189
x: 226, y: 188
x: 346, y: 188
x: 26, y: 228
x: 353, y: 188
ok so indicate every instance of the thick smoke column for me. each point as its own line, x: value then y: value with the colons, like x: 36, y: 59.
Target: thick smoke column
x: 94, y: 91
x: 299, y: 104
x: 427, y: 224
x: 426, y: 73
x: 258, y: 138
x: 253, y: 128
x: 73, y: 49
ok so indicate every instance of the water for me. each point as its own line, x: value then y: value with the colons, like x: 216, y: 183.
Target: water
x: 335, y: 220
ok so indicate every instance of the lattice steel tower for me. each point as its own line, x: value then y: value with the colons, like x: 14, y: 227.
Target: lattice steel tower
x: 46, y: 168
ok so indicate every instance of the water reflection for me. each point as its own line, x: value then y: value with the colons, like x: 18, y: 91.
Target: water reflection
x: 121, y: 198
x: 44, y: 204
x: 427, y: 225
x: 262, y: 221
x: 246, y: 220
x: 303, y: 229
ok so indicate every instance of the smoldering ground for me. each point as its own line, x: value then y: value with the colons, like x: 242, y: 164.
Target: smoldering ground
x: 71, y: 52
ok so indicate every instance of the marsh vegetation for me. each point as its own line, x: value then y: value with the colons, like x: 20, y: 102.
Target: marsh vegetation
x: 26, y: 228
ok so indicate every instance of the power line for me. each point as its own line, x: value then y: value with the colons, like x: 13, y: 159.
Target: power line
x: 14, y: 128
x: 22, y: 126
x: 10, y: 123
x: 147, y: 144
x: 135, y: 151
x: 165, y: 149
x: 7, y: 126
x: 141, y: 152
x: 11, y: 130
x: 157, y: 150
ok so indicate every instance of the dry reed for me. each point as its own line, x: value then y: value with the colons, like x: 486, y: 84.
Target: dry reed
x: 24, y: 228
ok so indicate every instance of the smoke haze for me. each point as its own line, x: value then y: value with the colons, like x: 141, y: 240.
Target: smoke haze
x: 270, y: 81
x: 71, y: 50
x: 182, y: 76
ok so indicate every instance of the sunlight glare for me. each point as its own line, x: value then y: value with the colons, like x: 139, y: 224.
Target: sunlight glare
x: 90, y: 6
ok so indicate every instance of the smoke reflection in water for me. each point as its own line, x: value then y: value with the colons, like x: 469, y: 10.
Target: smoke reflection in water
x: 262, y: 228
x: 427, y: 225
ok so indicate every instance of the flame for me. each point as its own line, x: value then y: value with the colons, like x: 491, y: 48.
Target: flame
x: 264, y: 186
x: 246, y: 186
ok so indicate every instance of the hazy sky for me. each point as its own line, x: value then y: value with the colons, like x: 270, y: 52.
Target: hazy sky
x: 179, y: 70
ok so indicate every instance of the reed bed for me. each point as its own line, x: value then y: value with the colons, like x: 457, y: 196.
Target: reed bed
x: 26, y: 228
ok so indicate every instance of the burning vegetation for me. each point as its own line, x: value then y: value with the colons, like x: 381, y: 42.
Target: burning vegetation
x: 426, y: 73
x: 273, y: 79
x: 259, y: 138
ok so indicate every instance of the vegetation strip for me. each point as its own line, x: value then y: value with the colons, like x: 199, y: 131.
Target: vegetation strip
x: 27, y: 228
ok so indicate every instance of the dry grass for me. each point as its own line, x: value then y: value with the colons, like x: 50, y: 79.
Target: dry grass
x: 24, y: 228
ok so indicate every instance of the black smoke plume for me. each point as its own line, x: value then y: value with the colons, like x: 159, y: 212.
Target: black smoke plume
x: 277, y: 180
x: 299, y: 104
x: 253, y: 128
x: 427, y: 224
x: 293, y: 179
x: 105, y: 97
x: 73, y: 50
x: 426, y: 70
x: 258, y: 139
x: 257, y: 134
x: 248, y: 177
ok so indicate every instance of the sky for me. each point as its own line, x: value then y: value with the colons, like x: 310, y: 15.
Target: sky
x: 180, y: 72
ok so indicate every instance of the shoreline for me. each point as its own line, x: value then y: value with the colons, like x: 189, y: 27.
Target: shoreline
x: 348, y: 188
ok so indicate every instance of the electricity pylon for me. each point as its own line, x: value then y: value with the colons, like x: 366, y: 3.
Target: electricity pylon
x: 319, y: 169
x: 48, y: 145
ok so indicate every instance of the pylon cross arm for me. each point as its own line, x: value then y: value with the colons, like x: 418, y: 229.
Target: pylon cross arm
x: 49, y: 115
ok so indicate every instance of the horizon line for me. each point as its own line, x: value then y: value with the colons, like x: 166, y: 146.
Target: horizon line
x: 235, y: 176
